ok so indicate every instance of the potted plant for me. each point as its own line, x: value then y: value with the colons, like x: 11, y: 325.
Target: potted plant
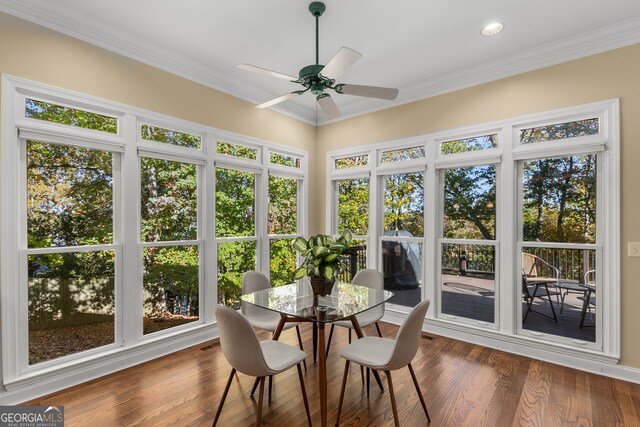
x: 322, y: 259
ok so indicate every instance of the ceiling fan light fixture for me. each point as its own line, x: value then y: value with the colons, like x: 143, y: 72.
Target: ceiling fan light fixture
x: 492, y: 29
x: 317, y: 78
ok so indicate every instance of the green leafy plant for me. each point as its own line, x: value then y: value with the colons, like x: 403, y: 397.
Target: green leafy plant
x: 322, y: 255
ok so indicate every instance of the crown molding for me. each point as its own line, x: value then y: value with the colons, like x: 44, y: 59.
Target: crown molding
x: 579, y: 46
x: 582, y: 45
x: 149, y: 54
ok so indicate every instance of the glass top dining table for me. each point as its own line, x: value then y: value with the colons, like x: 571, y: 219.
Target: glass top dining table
x: 297, y: 303
x: 297, y: 300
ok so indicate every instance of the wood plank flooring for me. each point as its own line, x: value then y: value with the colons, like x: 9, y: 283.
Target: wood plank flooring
x: 463, y: 385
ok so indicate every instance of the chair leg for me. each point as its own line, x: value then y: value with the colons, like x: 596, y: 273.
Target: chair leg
x: 344, y: 384
x: 362, y: 375
x: 368, y: 380
x: 553, y: 311
x: 378, y: 328
x: 393, y: 399
x: 260, y: 399
x: 270, y: 384
x: 329, y: 340
x: 255, y: 386
x: 349, y: 335
x: 304, y: 394
x: 415, y: 382
x: 300, y: 345
x: 224, y: 396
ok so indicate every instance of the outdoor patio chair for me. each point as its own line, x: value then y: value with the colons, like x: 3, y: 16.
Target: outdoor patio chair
x: 246, y: 354
x: 589, y: 298
x: 535, y: 284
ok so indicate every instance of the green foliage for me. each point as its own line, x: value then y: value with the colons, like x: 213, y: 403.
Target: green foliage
x: 353, y: 205
x: 41, y: 110
x: 322, y: 255
x: 404, y: 203
x: 168, y: 136
x: 169, y: 200
x: 560, y: 199
x: 283, y: 262
x: 469, y: 203
x: 402, y: 154
x: 236, y: 150
x: 284, y: 160
x: 469, y: 144
x: 234, y: 259
x: 560, y: 131
x: 171, y: 273
x: 283, y: 202
x: 235, y: 203
x: 353, y: 161
x: 69, y: 195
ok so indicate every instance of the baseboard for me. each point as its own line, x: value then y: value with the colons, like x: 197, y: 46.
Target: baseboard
x: 548, y: 352
x: 41, y: 385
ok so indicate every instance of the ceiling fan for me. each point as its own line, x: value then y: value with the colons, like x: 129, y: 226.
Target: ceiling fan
x: 319, y: 78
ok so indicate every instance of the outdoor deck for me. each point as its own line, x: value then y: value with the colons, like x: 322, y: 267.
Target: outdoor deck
x: 473, y: 297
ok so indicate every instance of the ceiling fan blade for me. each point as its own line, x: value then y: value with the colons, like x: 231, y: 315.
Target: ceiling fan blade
x: 342, y: 60
x: 328, y: 106
x: 278, y: 100
x: 267, y: 72
x: 368, y: 91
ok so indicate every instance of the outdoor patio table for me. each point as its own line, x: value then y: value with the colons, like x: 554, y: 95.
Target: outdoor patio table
x: 296, y: 302
x: 565, y: 287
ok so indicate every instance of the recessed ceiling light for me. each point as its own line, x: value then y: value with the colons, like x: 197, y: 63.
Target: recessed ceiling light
x: 492, y: 29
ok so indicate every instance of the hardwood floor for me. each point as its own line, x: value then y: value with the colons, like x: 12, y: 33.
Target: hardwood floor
x: 463, y: 385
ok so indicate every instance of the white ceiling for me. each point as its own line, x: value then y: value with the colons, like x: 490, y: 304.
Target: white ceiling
x: 422, y: 47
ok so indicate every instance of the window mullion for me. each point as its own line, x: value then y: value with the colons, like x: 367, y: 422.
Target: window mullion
x: 132, y: 293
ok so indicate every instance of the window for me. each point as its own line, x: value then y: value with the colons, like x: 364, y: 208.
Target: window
x: 468, y: 251
x: 402, y: 154
x: 169, y: 215
x: 402, y: 240
x: 284, y: 160
x: 477, y: 143
x: 235, y: 230
x: 71, y: 256
x: 236, y: 150
x: 353, y: 206
x: 351, y: 161
x: 511, y: 227
x: 560, y: 243
x: 282, y: 228
x: 353, y: 215
x: 41, y: 110
x: 105, y: 256
x: 560, y: 131
x: 167, y: 136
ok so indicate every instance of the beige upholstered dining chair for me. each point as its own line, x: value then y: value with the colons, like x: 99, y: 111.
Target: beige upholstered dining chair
x: 371, y: 279
x: 387, y: 355
x: 259, y: 317
x: 260, y: 359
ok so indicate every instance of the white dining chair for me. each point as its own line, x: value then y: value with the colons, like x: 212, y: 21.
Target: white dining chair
x: 262, y: 318
x: 260, y: 359
x: 372, y: 279
x: 388, y: 355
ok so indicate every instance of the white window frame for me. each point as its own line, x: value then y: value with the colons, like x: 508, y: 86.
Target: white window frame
x: 506, y: 156
x: 130, y: 346
x: 461, y: 160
